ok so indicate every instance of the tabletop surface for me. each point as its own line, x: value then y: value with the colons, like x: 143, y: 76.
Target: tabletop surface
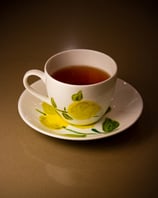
x: 35, y: 165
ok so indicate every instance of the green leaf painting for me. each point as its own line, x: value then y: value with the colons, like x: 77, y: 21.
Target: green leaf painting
x: 53, y: 103
x: 109, y: 125
x: 77, y: 96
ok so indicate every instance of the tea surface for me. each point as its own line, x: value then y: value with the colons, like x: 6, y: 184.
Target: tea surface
x: 80, y: 75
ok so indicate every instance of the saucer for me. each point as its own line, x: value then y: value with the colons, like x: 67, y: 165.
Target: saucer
x: 126, y: 108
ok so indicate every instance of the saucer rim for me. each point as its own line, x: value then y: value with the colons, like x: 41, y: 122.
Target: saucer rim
x: 96, y: 136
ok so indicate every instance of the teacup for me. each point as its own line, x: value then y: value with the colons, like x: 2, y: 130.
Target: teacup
x: 79, y: 84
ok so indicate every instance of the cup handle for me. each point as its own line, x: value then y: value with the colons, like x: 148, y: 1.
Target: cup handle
x: 30, y: 89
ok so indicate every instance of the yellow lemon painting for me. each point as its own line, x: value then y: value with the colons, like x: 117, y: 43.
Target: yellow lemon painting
x: 51, y: 118
x: 83, y: 110
x: 53, y: 121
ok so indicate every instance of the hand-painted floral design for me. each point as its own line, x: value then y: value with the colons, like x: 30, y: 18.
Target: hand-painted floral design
x: 51, y: 118
x: 79, y: 109
x: 82, y: 110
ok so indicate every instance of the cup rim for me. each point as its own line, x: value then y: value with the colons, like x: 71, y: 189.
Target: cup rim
x: 77, y: 50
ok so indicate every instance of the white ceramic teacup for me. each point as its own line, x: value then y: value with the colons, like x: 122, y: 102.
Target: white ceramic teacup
x: 78, y: 104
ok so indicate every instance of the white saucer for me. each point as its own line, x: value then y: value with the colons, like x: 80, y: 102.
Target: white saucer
x: 126, y: 108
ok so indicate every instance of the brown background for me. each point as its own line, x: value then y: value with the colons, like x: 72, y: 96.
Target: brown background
x: 34, y: 165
